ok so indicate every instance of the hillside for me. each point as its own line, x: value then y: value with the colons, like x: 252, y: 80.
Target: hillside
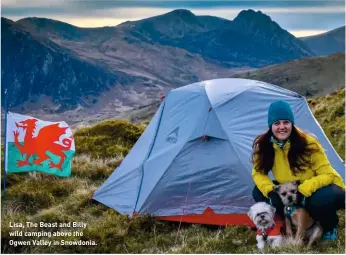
x: 38, y: 197
x: 112, y: 69
x: 309, y: 77
x: 34, y: 66
x: 316, y: 76
x: 327, y: 43
x: 330, y: 113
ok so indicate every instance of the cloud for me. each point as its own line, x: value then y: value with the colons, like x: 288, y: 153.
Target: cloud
x: 78, y: 7
x: 21, y: 4
x: 290, y: 15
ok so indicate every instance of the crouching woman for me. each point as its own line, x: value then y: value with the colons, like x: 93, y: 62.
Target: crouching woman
x: 294, y: 155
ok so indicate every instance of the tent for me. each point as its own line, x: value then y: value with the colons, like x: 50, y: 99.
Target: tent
x: 192, y: 163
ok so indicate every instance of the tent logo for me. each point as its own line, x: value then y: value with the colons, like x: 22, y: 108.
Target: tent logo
x: 173, y: 136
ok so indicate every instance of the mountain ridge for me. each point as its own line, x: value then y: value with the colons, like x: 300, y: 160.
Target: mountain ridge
x: 132, y: 63
x: 327, y: 43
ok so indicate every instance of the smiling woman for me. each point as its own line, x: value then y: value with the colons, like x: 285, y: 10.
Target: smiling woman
x: 282, y: 129
x: 292, y: 155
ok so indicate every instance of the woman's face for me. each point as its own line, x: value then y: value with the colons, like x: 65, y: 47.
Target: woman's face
x: 282, y: 129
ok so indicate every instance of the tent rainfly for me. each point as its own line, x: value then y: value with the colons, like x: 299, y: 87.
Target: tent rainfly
x: 192, y: 163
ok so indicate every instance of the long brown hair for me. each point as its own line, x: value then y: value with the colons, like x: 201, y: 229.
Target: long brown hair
x: 298, y: 156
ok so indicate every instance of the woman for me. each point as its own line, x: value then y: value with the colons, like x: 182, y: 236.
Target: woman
x: 293, y: 155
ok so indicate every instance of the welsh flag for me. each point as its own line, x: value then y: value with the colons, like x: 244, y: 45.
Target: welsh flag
x: 37, y: 145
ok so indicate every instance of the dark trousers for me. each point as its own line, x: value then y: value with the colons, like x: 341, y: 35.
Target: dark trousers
x: 321, y: 205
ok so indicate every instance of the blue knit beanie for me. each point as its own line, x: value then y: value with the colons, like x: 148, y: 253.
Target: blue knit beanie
x: 280, y: 110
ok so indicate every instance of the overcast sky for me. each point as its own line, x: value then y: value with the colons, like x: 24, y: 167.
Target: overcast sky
x: 301, y: 18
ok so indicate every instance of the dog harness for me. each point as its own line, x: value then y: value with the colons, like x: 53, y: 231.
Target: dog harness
x: 271, y: 231
x: 290, y: 210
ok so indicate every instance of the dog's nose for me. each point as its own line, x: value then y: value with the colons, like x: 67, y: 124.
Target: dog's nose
x: 262, y: 216
x: 289, y: 199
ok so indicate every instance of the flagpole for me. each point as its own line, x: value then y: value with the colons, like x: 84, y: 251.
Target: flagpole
x: 5, y: 141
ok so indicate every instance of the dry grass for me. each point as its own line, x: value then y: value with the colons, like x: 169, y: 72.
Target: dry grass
x: 330, y: 113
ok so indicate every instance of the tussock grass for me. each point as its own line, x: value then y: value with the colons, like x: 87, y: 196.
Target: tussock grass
x: 111, y: 138
x: 94, y: 169
x: 49, y: 192
x: 330, y: 113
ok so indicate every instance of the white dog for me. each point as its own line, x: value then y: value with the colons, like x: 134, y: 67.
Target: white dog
x: 262, y: 214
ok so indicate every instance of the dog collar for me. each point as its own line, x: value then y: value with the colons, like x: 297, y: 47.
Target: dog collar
x: 264, y: 234
x: 290, y: 210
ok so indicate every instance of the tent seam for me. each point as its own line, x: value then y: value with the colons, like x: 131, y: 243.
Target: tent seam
x: 229, y: 98
x: 147, y: 156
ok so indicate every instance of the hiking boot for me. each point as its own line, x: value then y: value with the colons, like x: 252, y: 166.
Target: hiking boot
x: 330, y: 235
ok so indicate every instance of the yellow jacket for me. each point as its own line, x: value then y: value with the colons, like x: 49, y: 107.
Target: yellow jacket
x: 319, y: 175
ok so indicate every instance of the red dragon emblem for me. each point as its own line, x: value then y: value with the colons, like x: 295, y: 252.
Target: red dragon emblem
x: 40, y: 144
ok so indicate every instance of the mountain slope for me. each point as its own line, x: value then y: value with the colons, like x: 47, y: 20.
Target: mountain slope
x: 54, y: 29
x: 314, y: 76
x: 33, y: 66
x: 81, y: 66
x: 241, y: 42
x: 251, y: 39
x: 317, y: 76
x: 261, y: 26
x: 327, y: 43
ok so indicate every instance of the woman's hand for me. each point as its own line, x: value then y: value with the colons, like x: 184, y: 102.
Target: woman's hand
x: 275, y: 200
x: 300, y: 199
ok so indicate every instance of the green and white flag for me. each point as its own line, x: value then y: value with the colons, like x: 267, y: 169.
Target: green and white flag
x: 37, y: 145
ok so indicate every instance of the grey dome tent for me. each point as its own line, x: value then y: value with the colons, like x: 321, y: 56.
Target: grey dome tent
x: 192, y: 163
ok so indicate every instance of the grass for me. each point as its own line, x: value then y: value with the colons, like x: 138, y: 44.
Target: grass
x: 330, y: 113
x: 112, y: 138
x: 37, y: 197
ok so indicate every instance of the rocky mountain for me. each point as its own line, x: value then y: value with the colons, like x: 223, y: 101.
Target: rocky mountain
x: 54, y: 66
x: 251, y: 39
x: 34, y: 66
x: 315, y: 76
x: 327, y: 43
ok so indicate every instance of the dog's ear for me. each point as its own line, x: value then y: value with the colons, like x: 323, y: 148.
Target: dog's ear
x: 273, y: 209
x: 276, y: 188
x: 249, y: 213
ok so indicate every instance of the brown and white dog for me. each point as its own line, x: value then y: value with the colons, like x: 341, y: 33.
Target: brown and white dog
x: 297, y: 217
